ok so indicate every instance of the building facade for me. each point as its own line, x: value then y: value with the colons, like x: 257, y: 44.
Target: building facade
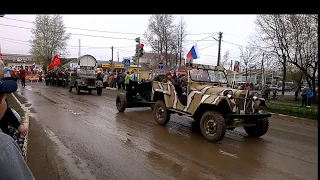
x: 18, y: 60
x: 254, y: 76
x: 152, y: 60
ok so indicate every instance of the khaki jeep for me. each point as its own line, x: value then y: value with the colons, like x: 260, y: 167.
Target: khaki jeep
x: 209, y: 101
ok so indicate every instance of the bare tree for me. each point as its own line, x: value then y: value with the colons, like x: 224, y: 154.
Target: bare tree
x: 181, y: 37
x: 296, y: 75
x: 163, y: 28
x: 293, y: 40
x: 49, y: 37
x: 271, y: 31
x: 247, y: 56
x: 225, y: 60
x: 303, y: 45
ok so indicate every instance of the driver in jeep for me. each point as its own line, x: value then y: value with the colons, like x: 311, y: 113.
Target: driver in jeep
x: 178, y: 87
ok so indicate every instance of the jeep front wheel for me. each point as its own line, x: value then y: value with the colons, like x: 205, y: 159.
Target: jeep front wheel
x: 213, y: 126
x: 161, y: 113
x: 259, y: 129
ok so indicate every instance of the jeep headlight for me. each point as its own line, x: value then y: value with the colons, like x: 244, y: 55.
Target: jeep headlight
x: 255, y: 96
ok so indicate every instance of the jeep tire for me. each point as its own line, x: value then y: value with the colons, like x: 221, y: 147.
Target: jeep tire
x: 121, y: 102
x: 161, y: 113
x: 213, y: 126
x: 259, y: 129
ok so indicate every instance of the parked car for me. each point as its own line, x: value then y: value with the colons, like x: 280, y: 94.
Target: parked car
x: 286, y: 88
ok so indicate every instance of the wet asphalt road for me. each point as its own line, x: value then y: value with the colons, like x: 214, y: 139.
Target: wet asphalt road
x: 93, y: 141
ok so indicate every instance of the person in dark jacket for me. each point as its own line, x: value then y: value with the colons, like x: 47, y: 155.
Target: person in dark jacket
x: 296, y: 93
x: 100, y: 76
x: 304, y: 98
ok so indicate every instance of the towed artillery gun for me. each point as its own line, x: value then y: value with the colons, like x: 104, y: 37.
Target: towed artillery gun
x: 211, y: 103
x: 85, y: 77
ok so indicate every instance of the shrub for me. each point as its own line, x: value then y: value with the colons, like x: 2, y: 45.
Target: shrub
x: 296, y: 111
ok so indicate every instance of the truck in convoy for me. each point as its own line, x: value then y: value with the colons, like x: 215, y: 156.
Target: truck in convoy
x: 84, y: 77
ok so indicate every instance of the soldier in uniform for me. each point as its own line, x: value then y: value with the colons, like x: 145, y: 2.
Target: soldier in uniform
x: 54, y: 78
x: 60, y: 77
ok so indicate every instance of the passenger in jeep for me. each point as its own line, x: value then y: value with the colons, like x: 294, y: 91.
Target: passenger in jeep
x: 168, y: 79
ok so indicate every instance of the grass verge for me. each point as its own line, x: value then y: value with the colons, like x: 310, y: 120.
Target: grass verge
x: 302, y: 112
x: 15, y: 105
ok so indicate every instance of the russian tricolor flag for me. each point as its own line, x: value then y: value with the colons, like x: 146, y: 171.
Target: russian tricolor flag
x: 33, y: 65
x: 193, y: 53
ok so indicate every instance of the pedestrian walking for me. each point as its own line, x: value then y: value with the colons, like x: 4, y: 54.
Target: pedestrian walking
x: 296, y: 93
x: 127, y: 80
x: 105, y: 80
x: 7, y: 72
x: 121, y: 80
x: 309, y: 97
x: 267, y: 93
x: 304, y: 98
x: 114, y: 81
x: 110, y: 80
x: 132, y: 76
x: 23, y: 72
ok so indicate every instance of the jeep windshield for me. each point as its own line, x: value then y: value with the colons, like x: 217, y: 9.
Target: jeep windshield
x: 205, y: 75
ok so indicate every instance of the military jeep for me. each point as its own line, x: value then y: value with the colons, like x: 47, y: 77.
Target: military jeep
x: 210, y: 101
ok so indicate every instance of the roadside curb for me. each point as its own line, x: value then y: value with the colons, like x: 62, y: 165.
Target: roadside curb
x: 26, y: 123
x: 111, y: 88
x: 294, y: 117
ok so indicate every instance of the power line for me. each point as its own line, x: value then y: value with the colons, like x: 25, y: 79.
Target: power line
x: 94, y: 30
x: 93, y: 47
x: 90, y: 35
x: 209, y: 46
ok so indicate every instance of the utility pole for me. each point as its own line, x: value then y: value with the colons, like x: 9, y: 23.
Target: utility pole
x: 231, y: 65
x: 111, y: 63
x: 219, y: 50
x: 79, y: 52
x: 118, y: 55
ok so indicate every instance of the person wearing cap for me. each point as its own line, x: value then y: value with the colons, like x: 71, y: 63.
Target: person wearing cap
x: 12, y: 164
x: 168, y: 78
x: 9, y: 117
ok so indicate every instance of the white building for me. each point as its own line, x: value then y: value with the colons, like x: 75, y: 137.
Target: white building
x: 254, y: 76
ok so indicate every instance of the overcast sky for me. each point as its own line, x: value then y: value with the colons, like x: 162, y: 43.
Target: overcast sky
x: 15, y: 32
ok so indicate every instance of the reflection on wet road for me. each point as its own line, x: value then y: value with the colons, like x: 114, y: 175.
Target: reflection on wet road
x: 97, y: 142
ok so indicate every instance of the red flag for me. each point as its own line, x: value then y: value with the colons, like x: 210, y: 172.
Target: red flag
x: 54, y: 62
